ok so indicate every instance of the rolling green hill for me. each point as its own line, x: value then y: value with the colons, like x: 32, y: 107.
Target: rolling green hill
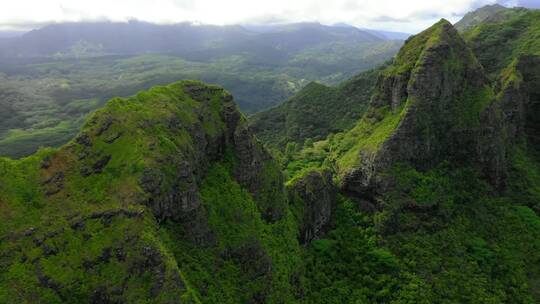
x: 315, y: 112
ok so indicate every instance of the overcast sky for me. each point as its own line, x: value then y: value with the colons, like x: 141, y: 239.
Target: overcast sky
x: 398, y: 15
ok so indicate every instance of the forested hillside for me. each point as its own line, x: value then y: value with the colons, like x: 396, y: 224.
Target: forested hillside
x: 440, y: 166
x: 427, y: 193
x: 315, y: 112
x: 52, y: 77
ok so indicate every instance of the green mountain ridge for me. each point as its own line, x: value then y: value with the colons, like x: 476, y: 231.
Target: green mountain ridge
x: 499, y: 41
x: 430, y: 196
x: 479, y: 16
x: 434, y: 103
x: 120, y: 212
x: 316, y: 111
x: 442, y: 152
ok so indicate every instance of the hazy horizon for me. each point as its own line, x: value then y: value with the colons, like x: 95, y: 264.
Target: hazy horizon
x: 387, y: 15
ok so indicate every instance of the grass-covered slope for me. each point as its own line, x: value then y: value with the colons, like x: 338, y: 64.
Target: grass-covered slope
x: 428, y: 106
x: 315, y: 112
x: 162, y: 197
x: 498, y: 41
x: 480, y: 15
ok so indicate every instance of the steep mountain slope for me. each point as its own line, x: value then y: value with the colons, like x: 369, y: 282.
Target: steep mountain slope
x: 509, y: 50
x: 478, y: 16
x: 432, y: 104
x: 135, y: 37
x: 441, y: 174
x: 433, y: 99
x: 315, y: 112
x: 519, y: 95
x: 432, y: 197
x: 498, y: 41
x: 155, y: 192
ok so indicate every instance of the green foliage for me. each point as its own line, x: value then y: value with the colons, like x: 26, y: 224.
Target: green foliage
x: 438, y: 190
x: 448, y: 226
x: 498, y: 41
x: 374, y: 128
x: 251, y: 258
x: 46, y: 101
x: 71, y: 233
x: 349, y: 265
x: 340, y: 152
x: 48, y: 259
x: 315, y: 112
x: 444, y: 235
x: 524, y: 177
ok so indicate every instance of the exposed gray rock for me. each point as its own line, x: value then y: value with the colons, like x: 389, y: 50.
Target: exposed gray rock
x: 520, y: 101
x: 84, y: 140
x: 439, y: 121
x: 54, y: 184
x: 176, y: 196
x: 317, y: 197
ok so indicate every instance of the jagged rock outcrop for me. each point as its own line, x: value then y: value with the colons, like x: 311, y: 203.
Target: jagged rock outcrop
x: 519, y: 97
x: 314, y: 197
x: 133, y: 175
x: 217, y: 127
x: 434, y: 103
x: 255, y: 169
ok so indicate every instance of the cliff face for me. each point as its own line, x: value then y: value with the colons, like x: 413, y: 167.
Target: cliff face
x: 442, y: 108
x: 314, y: 197
x: 520, y: 98
x: 109, y: 216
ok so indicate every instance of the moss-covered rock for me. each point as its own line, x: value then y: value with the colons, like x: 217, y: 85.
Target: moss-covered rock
x: 92, y: 221
x: 433, y: 104
x: 313, y: 198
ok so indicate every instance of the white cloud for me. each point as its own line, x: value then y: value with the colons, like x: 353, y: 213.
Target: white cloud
x: 398, y: 15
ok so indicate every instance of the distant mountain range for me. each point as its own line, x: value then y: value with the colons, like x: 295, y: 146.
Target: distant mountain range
x: 11, y: 34
x: 389, y: 35
x: 51, y: 78
x: 136, y: 37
